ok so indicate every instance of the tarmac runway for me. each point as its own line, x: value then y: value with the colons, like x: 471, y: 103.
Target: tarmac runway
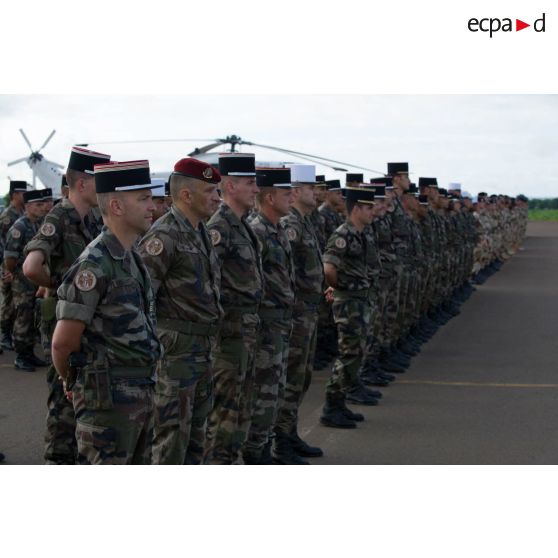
x: 484, y: 390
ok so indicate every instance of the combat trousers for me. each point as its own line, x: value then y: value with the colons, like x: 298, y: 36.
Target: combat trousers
x: 183, y: 399
x: 7, y: 310
x: 390, y: 330
x: 376, y: 298
x: 300, y: 365
x: 121, y: 434
x: 24, y: 324
x: 60, y: 436
x: 229, y: 421
x: 352, y: 313
x: 270, y: 379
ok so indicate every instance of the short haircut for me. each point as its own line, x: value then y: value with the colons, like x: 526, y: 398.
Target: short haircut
x: 72, y: 176
x: 104, y: 199
x: 264, y: 191
x: 350, y: 204
x: 178, y: 183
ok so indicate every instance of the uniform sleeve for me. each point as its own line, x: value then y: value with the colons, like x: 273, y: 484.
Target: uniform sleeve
x: 14, y: 243
x: 335, y: 250
x: 78, y: 297
x: 48, y: 238
x: 293, y: 229
x: 156, y: 249
x: 218, y: 233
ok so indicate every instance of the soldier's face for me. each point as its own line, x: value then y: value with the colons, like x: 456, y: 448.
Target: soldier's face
x: 88, y: 191
x: 402, y: 181
x: 206, y: 200
x: 366, y: 213
x: 282, y: 200
x: 138, y: 210
x: 335, y: 199
x: 320, y: 194
x: 245, y: 190
x: 306, y: 196
x: 160, y: 208
x: 35, y: 209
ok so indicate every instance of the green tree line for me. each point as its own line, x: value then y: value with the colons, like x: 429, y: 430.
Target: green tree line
x: 547, y: 203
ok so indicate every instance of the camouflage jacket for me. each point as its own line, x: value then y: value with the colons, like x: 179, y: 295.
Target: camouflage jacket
x: 108, y: 289
x: 184, y: 270
x: 239, y: 256
x: 318, y: 222
x: 332, y: 220
x: 347, y: 252
x: 18, y: 236
x: 7, y: 218
x: 309, y: 270
x: 401, y: 230
x: 373, y: 262
x: 277, y: 262
x: 386, y: 247
x: 62, y: 238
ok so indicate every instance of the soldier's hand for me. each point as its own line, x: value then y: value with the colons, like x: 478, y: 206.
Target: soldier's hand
x: 7, y: 276
x: 328, y: 293
x: 67, y: 392
x: 41, y: 292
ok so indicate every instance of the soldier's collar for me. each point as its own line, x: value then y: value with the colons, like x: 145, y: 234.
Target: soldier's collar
x: 183, y: 221
x: 115, y: 249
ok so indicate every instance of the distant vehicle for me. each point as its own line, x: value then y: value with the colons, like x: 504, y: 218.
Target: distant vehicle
x: 48, y: 172
x: 207, y: 154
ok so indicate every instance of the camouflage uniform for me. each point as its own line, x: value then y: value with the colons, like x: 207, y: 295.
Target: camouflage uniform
x: 317, y: 220
x: 24, y: 332
x: 61, y: 238
x: 347, y: 252
x: 327, y: 332
x: 7, y: 310
x: 185, y: 273
x: 309, y: 280
x: 108, y: 288
x: 273, y: 347
x: 241, y: 292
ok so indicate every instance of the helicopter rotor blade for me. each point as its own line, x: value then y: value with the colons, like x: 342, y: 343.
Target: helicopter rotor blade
x: 142, y: 141
x: 25, y: 138
x: 17, y: 161
x: 57, y: 165
x: 205, y: 148
x: 299, y: 153
x: 47, y: 140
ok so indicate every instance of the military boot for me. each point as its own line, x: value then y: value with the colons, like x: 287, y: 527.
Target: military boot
x: 302, y: 448
x: 22, y: 363
x: 35, y: 360
x: 360, y: 396
x: 6, y: 341
x: 283, y: 452
x: 370, y: 378
x: 334, y: 413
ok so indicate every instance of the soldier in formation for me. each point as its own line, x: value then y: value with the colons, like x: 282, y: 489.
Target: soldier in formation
x: 190, y: 335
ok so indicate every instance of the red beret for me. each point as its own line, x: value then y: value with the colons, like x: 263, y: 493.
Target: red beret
x: 195, y: 168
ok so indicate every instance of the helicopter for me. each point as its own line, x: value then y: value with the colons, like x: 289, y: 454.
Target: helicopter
x: 206, y: 153
x: 48, y: 172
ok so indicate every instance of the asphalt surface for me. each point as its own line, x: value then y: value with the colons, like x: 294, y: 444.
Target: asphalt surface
x: 484, y: 390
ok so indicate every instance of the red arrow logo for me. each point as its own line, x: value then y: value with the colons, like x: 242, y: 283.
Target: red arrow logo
x: 519, y: 25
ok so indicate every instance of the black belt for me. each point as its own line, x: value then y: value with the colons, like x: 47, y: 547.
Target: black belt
x: 188, y: 328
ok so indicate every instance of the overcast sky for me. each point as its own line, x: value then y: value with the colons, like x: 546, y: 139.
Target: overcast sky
x: 494, y: 143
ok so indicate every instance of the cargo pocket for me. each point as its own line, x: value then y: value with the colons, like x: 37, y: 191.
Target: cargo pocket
x: 96, y: 444
x: 97, y: 389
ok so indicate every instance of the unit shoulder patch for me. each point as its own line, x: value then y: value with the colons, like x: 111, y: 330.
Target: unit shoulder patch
x: 48, y: 229
x: 154, y: 247
x: 340, y: 243
x: 16, y: 233
x: 85, y: 280
x: 291, y: 234
x: 215, y: 236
